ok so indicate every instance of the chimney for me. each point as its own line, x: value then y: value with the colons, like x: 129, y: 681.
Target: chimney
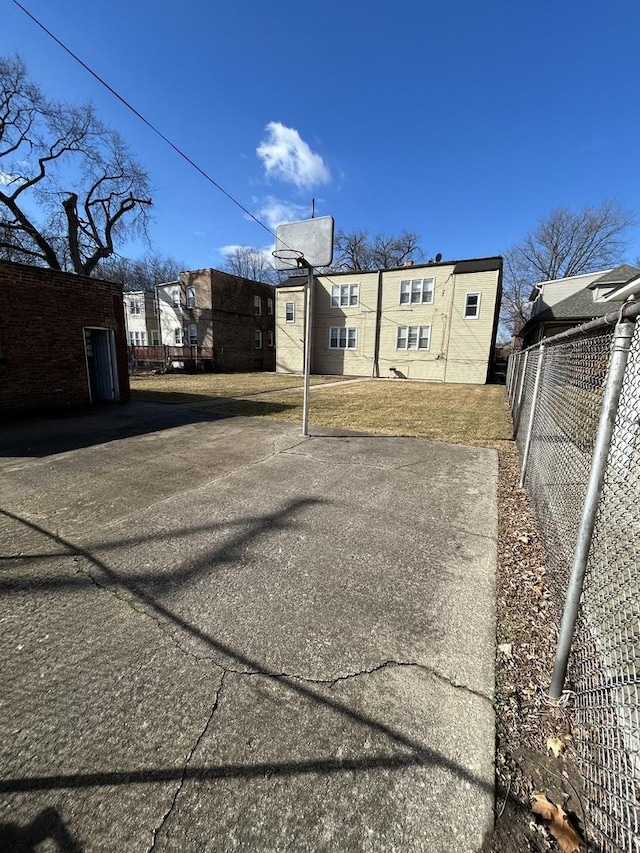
x: 408, y: 264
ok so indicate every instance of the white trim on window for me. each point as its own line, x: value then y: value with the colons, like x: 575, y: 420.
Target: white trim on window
x: 175, y: 298
x: 289, y: 312
x: 257, y: 339
x: 417, y: 291
x: 343, y: 337
x: 257, y: 306
x: 155, y: 340
x: 269, y: 337
x: 345, y: 295
x: 192, y: 334
x: 269, y: 305
x: 413, y: 337
x: 191, y: 297
x: 177, y: 337
x: 134, y: 306
x: 472, y: 305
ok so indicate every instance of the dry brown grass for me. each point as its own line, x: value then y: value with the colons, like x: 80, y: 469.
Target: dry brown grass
x: 200, y: 387
x: 467, y: 414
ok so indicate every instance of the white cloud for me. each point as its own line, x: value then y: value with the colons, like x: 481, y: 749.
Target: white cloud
x: 274, y: 211
x: 286, y: 155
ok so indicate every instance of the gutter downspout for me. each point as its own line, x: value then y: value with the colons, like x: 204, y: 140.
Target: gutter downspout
x: 446, y: 352
x: 375, y: 370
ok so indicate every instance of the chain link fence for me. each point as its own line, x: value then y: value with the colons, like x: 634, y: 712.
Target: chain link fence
x: 557, y: 391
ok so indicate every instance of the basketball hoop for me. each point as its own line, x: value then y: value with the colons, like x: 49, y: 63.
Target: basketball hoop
x: 289, y: 259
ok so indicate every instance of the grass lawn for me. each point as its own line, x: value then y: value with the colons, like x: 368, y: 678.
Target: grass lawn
x: 462, y: 414
x: 200, y: 387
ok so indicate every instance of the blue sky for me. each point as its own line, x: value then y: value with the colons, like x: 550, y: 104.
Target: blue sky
x: 464, y: 121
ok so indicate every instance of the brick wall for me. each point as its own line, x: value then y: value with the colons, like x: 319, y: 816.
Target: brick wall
x: 235, y: 323
x: 42, y: 351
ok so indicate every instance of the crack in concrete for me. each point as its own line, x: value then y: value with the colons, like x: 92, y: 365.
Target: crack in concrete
x: 167, y: 814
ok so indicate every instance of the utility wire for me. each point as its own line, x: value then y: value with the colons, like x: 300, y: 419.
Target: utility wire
x: 159, y: 133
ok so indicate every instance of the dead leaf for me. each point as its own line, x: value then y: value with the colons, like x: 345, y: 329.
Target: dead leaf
x: 556, y: 746
x: 506, y: 649
x: 559, y: 824
x: 524, y: 538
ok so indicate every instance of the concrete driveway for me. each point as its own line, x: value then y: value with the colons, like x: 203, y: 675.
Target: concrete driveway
x: 219, y: 635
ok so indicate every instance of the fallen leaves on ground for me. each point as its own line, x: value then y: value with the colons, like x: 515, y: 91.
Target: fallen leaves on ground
x: 555, y: 746
x: 560, y: 826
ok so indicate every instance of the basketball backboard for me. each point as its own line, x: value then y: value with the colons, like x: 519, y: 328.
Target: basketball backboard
x: 305, y: 243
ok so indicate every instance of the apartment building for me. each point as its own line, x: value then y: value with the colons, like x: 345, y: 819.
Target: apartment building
x: 141, y: 315
x: 435, y: 321
x: 232, y: 319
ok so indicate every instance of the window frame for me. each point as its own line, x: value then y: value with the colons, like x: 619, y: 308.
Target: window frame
x: 269, y: 305
x: 257, y: 339
x: 257, y: 306
x: 178, y: 336
x: 422, y: 301
x: 293, y: 312
x: 175, y: 298
x: 190, y: 297
x: 345, y: 295
x: 408, y: 336
x: 475, y: 316
x: 350, y: 333
x: 134, y: 307
x: 190, y: 336
x: 270, y: 338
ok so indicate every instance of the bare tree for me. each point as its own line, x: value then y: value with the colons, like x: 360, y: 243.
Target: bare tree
x: 355, y: 250
x: 251, y: 262
x: 62, y: 162
x: 564, y: 243
x: 140, y: 273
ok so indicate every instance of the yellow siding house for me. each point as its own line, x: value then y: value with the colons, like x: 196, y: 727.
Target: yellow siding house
x: 435, y: 321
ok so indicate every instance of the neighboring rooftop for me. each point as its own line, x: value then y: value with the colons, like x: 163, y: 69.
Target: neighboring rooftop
x: 619, y: 275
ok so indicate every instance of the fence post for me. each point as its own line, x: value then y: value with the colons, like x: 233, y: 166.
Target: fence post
x: 522, y: 377
x: 534, y: 400
x: 617, y: 364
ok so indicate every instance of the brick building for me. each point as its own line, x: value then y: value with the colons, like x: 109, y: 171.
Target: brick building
x: 62, y: 340
x: 223, y: 314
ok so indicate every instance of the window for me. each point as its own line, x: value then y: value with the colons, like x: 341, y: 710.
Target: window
x: 344, y: 295
x: 472, y: 306
x: 413, y: 337
x: 132, y: 339
x: 416, y: 291
x: 269, y: 305
x: 175, y: 298
x: 192, y: 334
x: 269, y: 337
x: 177, y: 337
x: 155, y: 340
x: 134, y: 306
x: 191, y: 297
x: 341, y: 337
x: 290, y: 312
x: 257, y: 305
x: 138, y: 339
x: 258, y: 339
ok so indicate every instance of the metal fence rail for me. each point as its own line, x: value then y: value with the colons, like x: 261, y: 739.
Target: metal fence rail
x: 557, y: 427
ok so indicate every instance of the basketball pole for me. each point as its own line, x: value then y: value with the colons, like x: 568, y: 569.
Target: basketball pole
x: 307, y: 350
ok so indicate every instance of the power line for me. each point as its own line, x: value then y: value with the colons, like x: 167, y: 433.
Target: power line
x: 152, y: 127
